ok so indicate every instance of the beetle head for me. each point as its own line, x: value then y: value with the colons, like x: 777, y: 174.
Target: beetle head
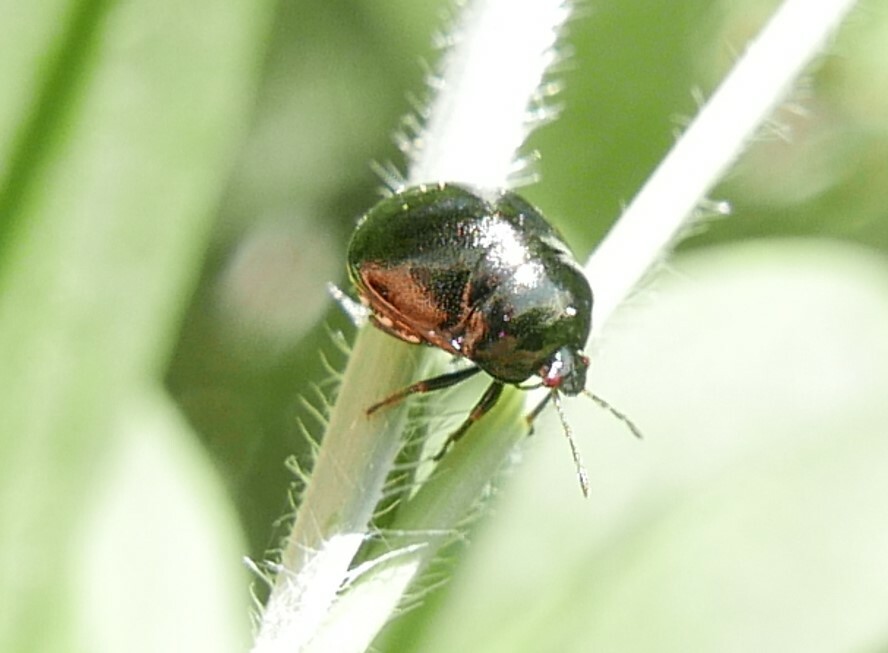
x: 566, y: 371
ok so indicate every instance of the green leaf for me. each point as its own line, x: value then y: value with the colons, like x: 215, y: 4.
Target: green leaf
x: 118, y: 121
x: 155, y: 560
x: 752, y: 515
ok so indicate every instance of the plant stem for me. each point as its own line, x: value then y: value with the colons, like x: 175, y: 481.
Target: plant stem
x: 760, y: 80
x: 492, y: 80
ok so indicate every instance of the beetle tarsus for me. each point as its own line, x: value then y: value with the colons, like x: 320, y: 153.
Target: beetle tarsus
x: 532, y: 415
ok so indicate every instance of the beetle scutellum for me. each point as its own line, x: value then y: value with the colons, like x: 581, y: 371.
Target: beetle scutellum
x: 482, y: 276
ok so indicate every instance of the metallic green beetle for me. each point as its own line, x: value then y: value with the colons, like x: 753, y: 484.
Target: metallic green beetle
x: 481, y: 275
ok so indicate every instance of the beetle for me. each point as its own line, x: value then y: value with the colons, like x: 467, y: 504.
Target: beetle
x: 481, y: 275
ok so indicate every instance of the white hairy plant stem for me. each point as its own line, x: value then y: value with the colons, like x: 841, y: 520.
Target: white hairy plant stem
x: 489, y: 86
x: 479, y: 119
x: 758, y: 83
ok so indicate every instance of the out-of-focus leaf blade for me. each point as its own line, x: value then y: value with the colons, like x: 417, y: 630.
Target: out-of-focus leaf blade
x: 752, y: 515
x: 103, y: 216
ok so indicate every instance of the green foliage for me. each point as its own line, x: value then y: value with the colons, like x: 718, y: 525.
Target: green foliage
x: 750, y: 517
x: 116, y: 133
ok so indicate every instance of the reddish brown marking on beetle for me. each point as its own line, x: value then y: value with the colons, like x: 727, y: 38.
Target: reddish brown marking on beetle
x: 389, y: 291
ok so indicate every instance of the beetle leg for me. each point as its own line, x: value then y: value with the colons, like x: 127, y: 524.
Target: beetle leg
x: 487, y: 401
x: 428, y: 385
x: 532, y: 415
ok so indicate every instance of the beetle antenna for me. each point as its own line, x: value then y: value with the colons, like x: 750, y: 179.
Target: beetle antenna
x: 616, y: 413
x: 582, y: 474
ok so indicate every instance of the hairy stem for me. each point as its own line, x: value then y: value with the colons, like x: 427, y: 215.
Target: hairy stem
x: 760, y: 80
x: 485, y: 106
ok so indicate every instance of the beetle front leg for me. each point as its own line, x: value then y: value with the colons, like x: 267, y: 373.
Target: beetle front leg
x: 532, y: 415
x: 487, y: 401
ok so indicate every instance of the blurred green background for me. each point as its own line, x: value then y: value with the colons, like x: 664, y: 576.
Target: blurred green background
x: 224, y: 155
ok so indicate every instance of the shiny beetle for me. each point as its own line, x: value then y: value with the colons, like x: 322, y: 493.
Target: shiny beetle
x: 481, y: 275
